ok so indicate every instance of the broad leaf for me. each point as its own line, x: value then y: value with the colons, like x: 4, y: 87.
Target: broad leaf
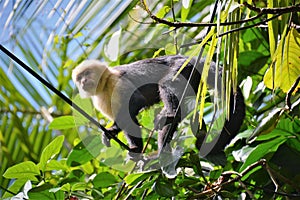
x: 89, y: 148
x: 133, y: 179
x: 104, y: 179
x: 64, y: 122
x: 25, y: 170
x: 287, y: 71
x: 50, y: 151
x: 262, y: 150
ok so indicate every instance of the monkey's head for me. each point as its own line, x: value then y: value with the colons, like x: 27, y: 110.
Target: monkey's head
x: 87, y: 75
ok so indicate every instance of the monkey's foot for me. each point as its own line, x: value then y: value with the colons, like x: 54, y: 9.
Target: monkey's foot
x: 106, y: 137
x: 135, y: 156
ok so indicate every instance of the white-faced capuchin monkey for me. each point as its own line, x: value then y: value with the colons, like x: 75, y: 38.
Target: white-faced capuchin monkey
x: 121, y: 92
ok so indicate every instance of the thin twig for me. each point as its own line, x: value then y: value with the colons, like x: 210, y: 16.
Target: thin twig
x: 246, y: 189
x: 260, y: 11
x: 290, y: 92
x: 235, y: 179
x: 280, y: 10
x: 250, y: 26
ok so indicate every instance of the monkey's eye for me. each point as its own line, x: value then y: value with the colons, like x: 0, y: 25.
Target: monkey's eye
x: 87, y: 72
x: 79, y: 78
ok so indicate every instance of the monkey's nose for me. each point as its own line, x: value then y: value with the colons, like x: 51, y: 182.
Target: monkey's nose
x: 83, y: 81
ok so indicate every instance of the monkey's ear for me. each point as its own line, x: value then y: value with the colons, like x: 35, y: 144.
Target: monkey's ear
x: 75, y: 73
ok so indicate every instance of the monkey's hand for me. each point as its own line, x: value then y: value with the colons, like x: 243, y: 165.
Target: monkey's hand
x: 105, y: 140
x: 162, y: 120
x: 114, y: 130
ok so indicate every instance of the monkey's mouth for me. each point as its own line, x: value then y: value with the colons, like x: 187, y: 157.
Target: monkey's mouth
x: 88, y: 86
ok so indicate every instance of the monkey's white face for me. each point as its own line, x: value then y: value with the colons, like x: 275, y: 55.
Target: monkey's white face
x: 87, y: 76
x: 88, y: 81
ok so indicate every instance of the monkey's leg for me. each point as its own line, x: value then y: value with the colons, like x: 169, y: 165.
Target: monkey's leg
x: 135, y: 140
x: 170, y: 111
x: 161, y: 121
x: 134, y: 137
x: 127, y: 121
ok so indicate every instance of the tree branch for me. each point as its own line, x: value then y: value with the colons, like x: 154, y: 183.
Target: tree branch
x: 260, y: 11
x: 250, y: 26
x: 280, y: 10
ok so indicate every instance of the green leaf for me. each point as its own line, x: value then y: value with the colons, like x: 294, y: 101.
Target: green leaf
x: 287, y: 64
x: 186, y: 6
x: 112, y: 48
x: 79, y: 186
x: 147, y: 118
x: 61, y: 123
x: 263, y: 149
x: 103, y: 180
x: 294, y: 143
x: 296, y: 125
x: 115, y: 157
x: 273, y: 27
x: 77, y: 35
x: 242, y: 154
x: 215, y: 174
x: 56, y: 39
x: 284, y: 129
x: 157, y: 53
x: 286, y: 126
x: 50, y: 151
x: 267, y: 124
x: 163, y: 11
x: 274, y: 134
x: 133, y: 179
x: 25, y: 170
x: 15, y: 187
x: 57, y: 165
x: 246, y: 58
x: 68, y: 63
x: 170, y: 49
x: 164, y: 188
x: 66, y: 187
x: 84, y: 104
x: 86, y: 150
x: 45, y: 194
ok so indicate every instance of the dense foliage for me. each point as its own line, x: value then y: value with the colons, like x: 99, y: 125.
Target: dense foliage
x: 49, y: 151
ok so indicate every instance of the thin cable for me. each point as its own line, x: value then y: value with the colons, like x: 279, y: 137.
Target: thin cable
x: 62, y: 96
